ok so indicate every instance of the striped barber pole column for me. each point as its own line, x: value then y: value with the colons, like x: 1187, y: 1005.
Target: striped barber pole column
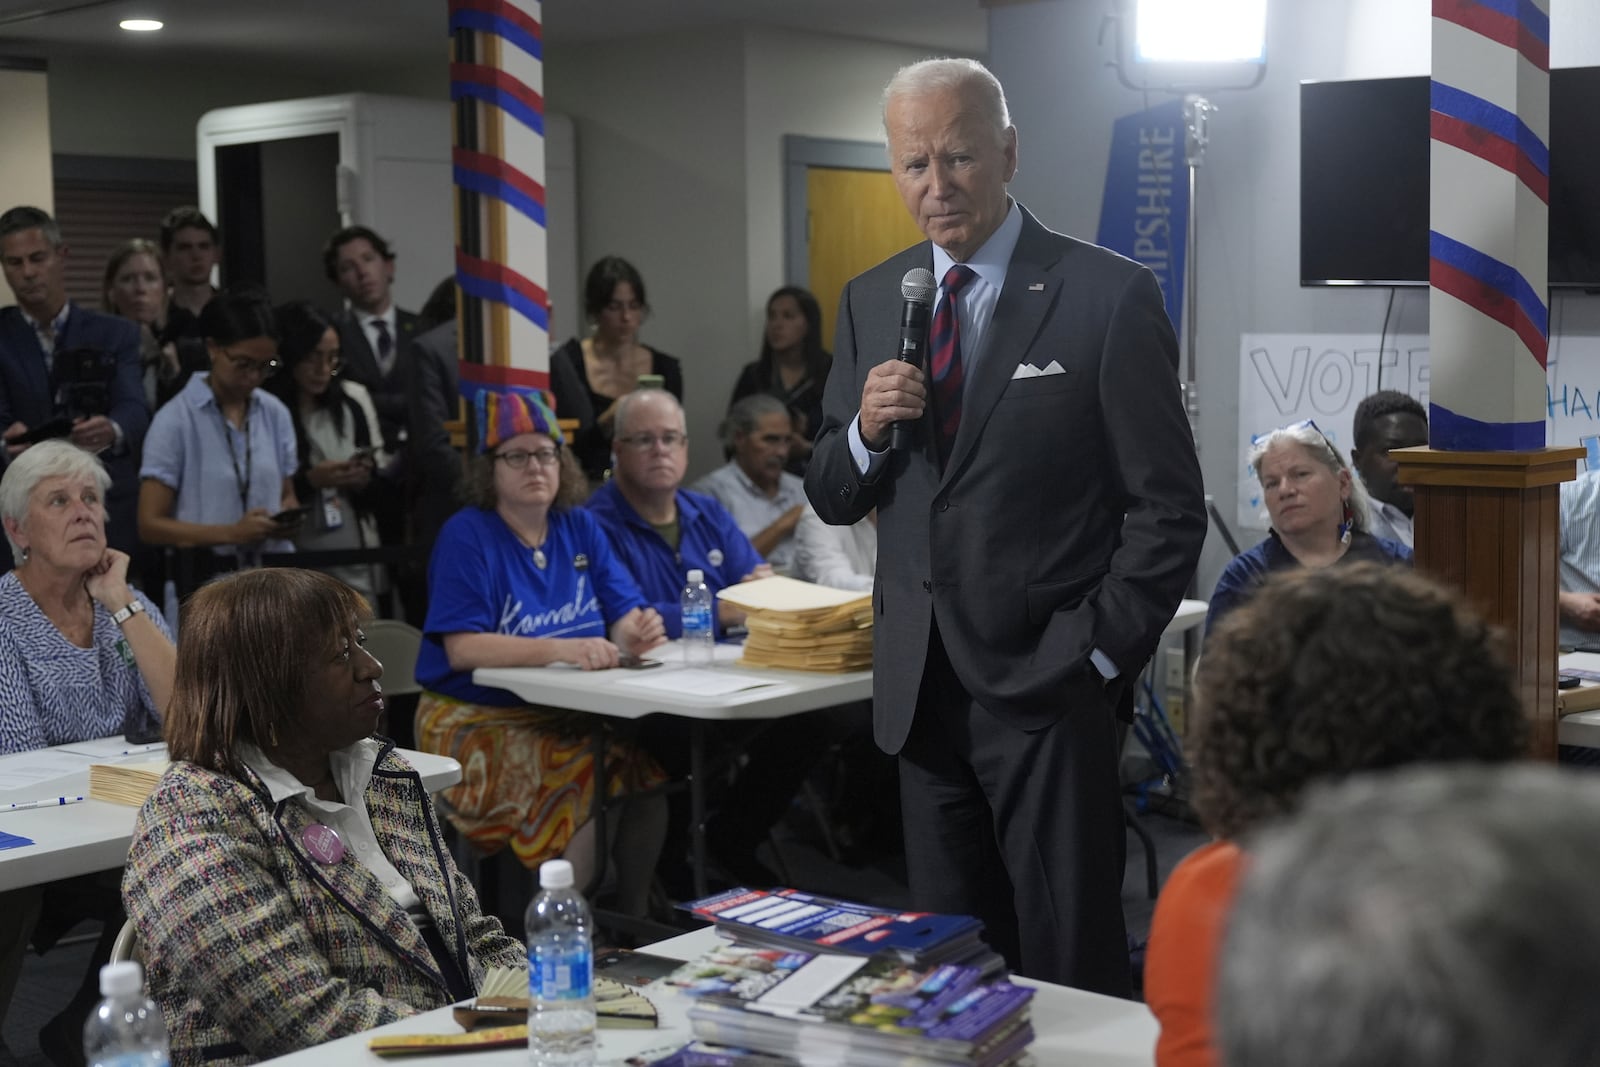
x: 1488, y: 233
x: 497, y: 96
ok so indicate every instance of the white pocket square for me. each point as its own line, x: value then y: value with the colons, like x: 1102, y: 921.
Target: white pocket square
x: 1028, y: 370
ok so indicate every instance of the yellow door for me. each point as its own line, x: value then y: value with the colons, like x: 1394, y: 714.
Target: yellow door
x: 856, y: 221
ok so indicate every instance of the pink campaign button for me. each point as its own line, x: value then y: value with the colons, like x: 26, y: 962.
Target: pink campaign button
x: 323, y: 843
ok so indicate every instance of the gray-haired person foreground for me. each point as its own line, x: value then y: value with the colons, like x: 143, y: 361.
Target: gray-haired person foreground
x: 1439, y: 917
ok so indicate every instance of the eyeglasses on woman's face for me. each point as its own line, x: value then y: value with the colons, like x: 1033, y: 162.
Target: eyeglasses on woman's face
x: 266, y: 368
x: 518, y: 459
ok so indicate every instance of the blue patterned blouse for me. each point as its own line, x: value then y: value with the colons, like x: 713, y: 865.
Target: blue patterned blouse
x: 52, y: 691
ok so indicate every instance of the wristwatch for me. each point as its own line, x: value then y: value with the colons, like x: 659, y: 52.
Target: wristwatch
x: 135, y: 608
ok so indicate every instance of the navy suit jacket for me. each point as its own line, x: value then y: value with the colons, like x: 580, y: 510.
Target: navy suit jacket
x: 1071, y: 514
x: 26, y: 397
x: 390, y: 396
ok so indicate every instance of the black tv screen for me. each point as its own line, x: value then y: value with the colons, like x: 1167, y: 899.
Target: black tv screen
x: 1364, y: 181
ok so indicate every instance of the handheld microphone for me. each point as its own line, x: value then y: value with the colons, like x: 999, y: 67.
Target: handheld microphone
x: 917, y: 289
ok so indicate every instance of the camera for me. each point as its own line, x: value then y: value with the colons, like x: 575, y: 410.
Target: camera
x: 81, y: 379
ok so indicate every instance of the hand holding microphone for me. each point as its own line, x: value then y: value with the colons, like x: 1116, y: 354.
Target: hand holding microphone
x: 916, y: 290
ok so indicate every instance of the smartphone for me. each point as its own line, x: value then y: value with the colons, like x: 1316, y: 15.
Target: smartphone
x: 652, y: 381
x: 636, y: 663
x: 634, y: 968
x: 362, y: 455
x: 284, y: 518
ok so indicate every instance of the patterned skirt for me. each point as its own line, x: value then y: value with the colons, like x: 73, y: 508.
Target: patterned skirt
x: 527, y: 774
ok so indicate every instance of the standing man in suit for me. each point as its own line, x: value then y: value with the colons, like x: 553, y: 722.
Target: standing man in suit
x: 1037, y: 533
x: 375, y: 344
x: 106, y: 410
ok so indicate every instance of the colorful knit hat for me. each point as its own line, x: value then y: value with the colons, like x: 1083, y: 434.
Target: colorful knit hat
x: 502, y: 416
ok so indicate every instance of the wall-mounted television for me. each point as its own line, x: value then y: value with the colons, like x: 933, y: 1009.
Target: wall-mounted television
x: 1364, y: 181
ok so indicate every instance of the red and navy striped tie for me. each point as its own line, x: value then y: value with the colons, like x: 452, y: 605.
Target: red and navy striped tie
x: 944, y: 345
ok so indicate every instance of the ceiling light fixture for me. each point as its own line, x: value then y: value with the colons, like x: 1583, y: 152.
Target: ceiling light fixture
x: 141, y: 25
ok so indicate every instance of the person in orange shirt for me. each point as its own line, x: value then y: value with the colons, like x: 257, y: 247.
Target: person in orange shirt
x: 1322, y: 674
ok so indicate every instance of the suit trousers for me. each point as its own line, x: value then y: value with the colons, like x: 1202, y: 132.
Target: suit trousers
x: 1021, y: 828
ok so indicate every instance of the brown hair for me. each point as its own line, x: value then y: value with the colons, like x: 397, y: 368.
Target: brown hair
x: 137, y: 246
x: 1324, y: 673
x: 477, y: 488
x: 245, y: 648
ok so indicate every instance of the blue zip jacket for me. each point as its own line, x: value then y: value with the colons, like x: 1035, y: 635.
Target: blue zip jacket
x: 708, y: 539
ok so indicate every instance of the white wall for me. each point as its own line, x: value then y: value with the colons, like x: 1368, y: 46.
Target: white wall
x: 1064, y: 98
x: 25, y: 168
x: 112, y: 105
x: 813, y: 85
x: 660, y: 132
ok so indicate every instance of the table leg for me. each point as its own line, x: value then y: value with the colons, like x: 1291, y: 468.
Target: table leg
x: 597, y: 808
x: 697, y: 805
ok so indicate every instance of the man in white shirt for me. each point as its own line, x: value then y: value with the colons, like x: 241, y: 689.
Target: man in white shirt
x: 765, y: 500
x: 1387, y: 419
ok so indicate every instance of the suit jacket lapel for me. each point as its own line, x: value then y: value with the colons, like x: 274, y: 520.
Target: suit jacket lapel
x: 1018, y: 316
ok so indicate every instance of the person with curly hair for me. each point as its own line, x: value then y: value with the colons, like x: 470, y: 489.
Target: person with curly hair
x: 1323, y: 674
x: 1320, y: 512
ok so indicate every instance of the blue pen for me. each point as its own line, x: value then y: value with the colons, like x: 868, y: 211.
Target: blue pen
x: 48, y: 802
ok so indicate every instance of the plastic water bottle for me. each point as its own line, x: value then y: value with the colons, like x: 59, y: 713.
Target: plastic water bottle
x: 699, y: 641
x: 126, y: 1028
x: 560, y: 972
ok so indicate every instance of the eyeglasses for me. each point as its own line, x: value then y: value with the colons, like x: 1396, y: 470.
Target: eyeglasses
x: 246, y: 365
x: 518, y: 460
x: 645, y: 442
x: 333, y: 362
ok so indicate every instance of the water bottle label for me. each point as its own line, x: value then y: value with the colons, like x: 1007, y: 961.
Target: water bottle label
x: 560, y: 974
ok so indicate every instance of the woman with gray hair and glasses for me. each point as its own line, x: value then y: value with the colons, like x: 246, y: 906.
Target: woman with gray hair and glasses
x: 1319, y: 511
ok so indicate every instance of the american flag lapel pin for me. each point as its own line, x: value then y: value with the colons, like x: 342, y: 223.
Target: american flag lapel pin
x: 1036, y: 287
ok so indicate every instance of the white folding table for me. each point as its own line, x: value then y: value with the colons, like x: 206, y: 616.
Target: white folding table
x: 1071, y: 1026
x: 724, y: 693
x: 94, y: 835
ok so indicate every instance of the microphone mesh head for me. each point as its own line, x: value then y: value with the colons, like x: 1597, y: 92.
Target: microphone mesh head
x: 918, y: 285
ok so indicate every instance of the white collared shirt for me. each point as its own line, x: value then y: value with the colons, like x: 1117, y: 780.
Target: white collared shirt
x: 976, y: 301
x: 352, y: 770
x: 47, y: 341
x: 371, y: 330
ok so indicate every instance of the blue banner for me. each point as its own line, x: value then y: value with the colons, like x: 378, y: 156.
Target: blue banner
x: 1145, y: 211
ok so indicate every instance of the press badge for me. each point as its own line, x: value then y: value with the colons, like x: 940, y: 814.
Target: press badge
x: 125, y: 652
x: 332, y: 510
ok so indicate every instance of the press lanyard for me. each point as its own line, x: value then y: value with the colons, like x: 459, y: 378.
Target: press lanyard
x: 242, y: 479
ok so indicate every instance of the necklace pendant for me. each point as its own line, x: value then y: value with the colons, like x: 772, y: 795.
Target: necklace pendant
x: 539, y: 559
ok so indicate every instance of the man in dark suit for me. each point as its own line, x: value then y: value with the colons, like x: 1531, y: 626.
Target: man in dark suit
x: 45, y: 340
x: 1037, y: 533
x: 374, y: 335
x: 375, y: 344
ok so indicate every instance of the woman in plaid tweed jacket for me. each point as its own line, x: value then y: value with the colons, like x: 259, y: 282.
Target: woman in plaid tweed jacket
x: 257, y: 941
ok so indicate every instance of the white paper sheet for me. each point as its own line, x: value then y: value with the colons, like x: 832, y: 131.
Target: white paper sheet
x: 31, y: 768
x: 696, y: 681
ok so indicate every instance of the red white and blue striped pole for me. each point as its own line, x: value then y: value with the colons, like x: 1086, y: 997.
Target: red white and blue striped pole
x: 497, y: 97
x: 1488, y: 237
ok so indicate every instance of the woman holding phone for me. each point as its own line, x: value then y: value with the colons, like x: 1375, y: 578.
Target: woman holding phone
x: 610, y: 363
x: 336, y: 429
x: 219, y: 459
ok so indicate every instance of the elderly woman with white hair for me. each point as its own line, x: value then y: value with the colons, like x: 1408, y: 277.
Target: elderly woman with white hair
x: 81, y: 656
x: 1319, y: 510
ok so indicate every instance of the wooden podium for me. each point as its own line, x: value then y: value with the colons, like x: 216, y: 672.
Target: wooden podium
x: 1488, y: 524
